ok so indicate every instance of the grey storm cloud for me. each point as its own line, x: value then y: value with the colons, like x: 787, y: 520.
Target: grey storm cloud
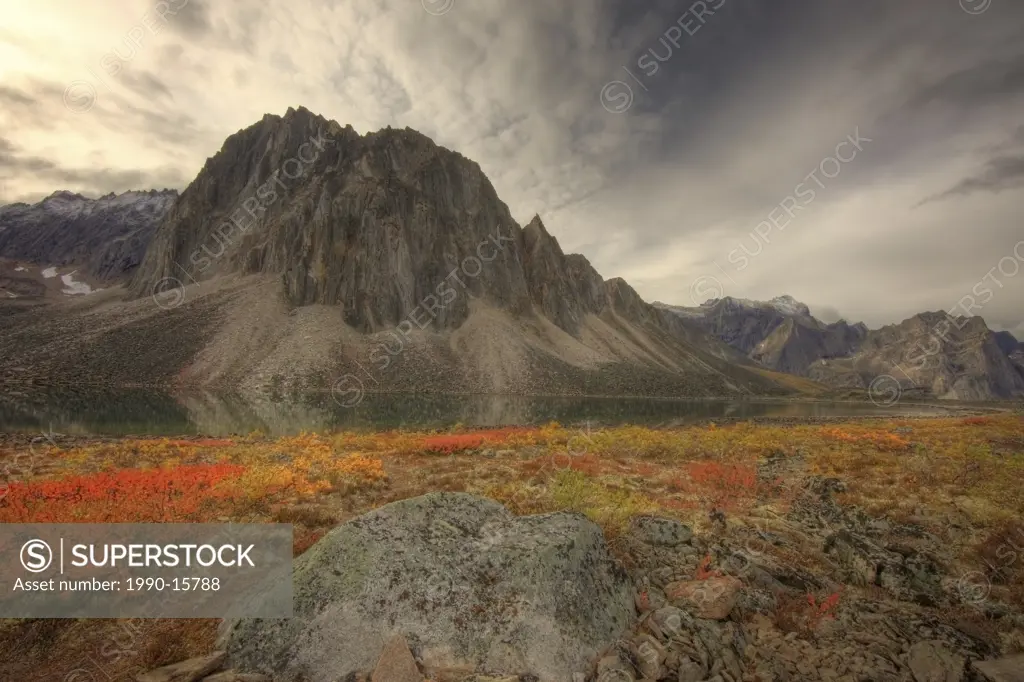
x: 1000, y: 173
x: 657, y: 138
x: 192, y: 19
x: 990, y: 81
x: 95, y: 181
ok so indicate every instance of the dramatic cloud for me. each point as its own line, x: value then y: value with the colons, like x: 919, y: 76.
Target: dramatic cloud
x: 673, y: 143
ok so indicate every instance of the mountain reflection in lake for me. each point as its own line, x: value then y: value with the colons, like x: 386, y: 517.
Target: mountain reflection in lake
x: 147, y: 412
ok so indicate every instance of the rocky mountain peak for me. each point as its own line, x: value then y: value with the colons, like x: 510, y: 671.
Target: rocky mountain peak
x: 1007, y: 342
x: 536, y: 236
x: 374, y: 223
x: 790, y: 306
x: 64, y: 195
x: 932, y: 321
x: 779, y: 333
x: 388, y: 224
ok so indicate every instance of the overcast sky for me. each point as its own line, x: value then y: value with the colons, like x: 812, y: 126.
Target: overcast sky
x: 658, y: 142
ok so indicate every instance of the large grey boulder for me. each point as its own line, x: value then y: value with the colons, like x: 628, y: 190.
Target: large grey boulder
x: 467, y: 584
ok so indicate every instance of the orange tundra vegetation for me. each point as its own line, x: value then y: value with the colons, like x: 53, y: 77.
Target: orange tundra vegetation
x: 684, y: 472
x: 922, y: 470
x: 193, y: 481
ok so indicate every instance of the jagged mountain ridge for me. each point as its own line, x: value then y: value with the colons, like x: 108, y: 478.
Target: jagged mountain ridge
x: 340, y: 239
x: 780, y: 333
x: 380, y: 220
x: 968, y: 362
x: 106, y: 236
x: 374, y: 223
x: 956, y: 358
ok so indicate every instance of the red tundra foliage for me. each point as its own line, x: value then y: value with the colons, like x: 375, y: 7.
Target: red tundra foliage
x: 125, y: 495
x: 457, y: 442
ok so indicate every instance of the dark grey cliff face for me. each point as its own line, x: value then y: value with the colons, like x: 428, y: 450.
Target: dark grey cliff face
x: 1007, y: 342
x: 107, y: 237
x: 378, y: 224
x: 392, y: 230
x: 563, y: 288
x: 796, y: 344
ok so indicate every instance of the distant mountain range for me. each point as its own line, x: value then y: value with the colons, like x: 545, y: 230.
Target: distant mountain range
x: 957, y: 358
x: 106, y: 237
x: 305, y: 255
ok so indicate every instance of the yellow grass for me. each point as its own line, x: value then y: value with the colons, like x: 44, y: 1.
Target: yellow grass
x: 926, y: 471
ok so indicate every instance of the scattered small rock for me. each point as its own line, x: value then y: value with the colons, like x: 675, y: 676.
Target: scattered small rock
x: 712, y: 598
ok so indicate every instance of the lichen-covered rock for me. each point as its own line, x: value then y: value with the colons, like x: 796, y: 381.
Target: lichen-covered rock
x: 462, y: 579
x: 1001, y: 669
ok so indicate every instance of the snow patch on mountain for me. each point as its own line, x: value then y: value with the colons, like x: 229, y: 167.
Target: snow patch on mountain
x: 73, y: 288
x: 70, y: 205
x: 785, y: 305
